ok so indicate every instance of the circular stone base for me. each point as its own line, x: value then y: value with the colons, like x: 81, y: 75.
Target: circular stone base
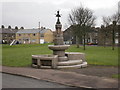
x: 62, y: 58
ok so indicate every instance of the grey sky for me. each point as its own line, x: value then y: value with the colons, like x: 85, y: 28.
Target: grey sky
x: 28, y: 13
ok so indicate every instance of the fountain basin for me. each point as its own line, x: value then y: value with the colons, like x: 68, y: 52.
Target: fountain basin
x: 58, y: 47
x: 44, y: 57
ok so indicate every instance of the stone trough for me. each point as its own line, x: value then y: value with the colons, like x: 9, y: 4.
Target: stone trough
x: 44, y: 61
x: 60, y: 58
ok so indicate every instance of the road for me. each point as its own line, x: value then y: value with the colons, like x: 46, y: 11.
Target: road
x: 13, y: 81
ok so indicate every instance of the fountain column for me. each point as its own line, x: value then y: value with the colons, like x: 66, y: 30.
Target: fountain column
x: 59, y: 47
x: 58, y: 40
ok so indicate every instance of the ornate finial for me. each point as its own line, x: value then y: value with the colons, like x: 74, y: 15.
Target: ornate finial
x: 58, y: 15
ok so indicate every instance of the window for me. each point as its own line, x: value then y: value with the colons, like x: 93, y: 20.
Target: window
x: 34, y: 34
x: 13, y: 36
x: 42, y: 35
x: 33, y: 40
x: 116, y: 34
x: 96, y: 34
x: 27, y: 40
x: 19, y: 34
x: 6, y: 35
x: 9, y: 35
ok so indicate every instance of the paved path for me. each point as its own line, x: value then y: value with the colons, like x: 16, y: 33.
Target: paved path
x: 13, y: 81
x: 101, y: 71
x: 67, y: 78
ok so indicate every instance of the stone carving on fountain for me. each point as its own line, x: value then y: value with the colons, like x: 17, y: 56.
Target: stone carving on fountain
x: 60, y: 58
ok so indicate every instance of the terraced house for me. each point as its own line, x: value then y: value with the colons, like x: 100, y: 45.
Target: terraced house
x: 34, y: 36
x: 7, y: 35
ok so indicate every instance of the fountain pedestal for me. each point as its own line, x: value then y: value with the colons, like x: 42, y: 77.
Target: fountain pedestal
x: 60, y: 51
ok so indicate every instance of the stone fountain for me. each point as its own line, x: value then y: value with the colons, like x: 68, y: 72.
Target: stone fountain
x: 60, y: 58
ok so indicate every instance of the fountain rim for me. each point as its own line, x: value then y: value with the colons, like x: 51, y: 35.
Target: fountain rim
x: 58, y: 47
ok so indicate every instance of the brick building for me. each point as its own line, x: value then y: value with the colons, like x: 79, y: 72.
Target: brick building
x: 27, y: 36
x: 99, y: 36
x: 105, y: 35
x: 70, y: 38
x: 46, y: 36
x: 34, y: 36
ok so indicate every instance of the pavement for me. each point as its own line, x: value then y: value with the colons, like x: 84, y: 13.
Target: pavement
x: 62, y: 77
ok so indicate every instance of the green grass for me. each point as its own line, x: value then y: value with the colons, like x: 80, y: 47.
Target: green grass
x: 20, y: 55
x: 98, y: 55
x: 116, y: 76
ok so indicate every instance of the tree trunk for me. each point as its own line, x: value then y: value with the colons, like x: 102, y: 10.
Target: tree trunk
x: 77, y: 42
x: 84, y: 42
x: 80, y: 40
x: 104, y: 41
x: 113, y: 35
x: 113, y: 39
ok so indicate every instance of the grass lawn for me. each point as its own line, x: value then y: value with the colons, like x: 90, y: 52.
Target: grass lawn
x: 98, y: 55
x: 20, y: 55
x: 116, y: 76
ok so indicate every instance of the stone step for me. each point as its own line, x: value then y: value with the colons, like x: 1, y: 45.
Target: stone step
x: 84, y: 64
x: 69, y: 62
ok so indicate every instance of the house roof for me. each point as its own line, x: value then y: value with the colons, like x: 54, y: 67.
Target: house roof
x: 33, y: 31
x: 29, y: 31
x: 7, y: 30
x: 43, y: 31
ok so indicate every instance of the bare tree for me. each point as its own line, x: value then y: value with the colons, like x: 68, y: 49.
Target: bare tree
x: 108, y: 20
x: 82, y: 18
x: 112, y: 20
x: 116, y: 17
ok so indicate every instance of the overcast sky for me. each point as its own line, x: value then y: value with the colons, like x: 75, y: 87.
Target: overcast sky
x: 28, y: 13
